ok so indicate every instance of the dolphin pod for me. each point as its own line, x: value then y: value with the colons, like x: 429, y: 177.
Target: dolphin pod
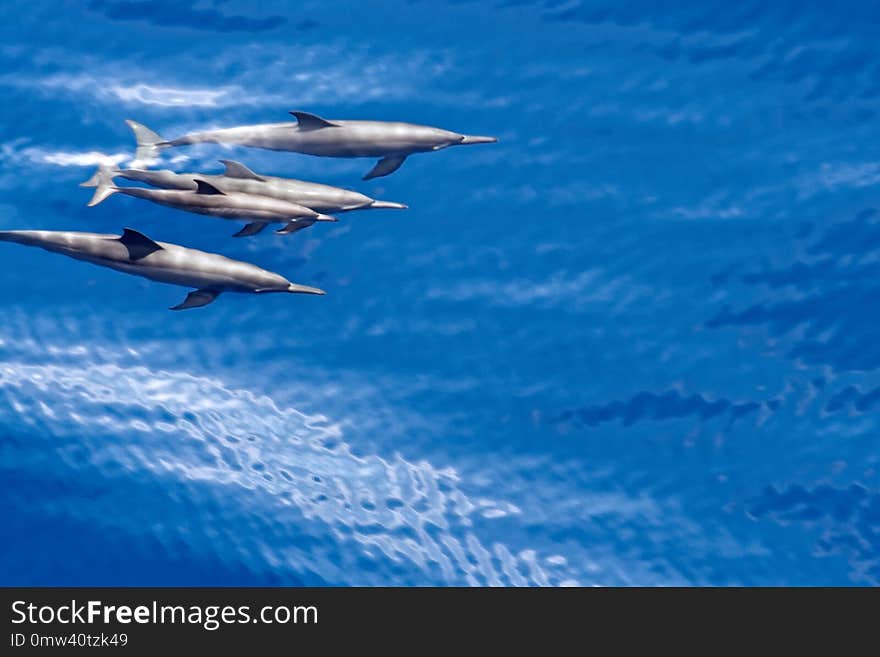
x: 313, y: 135
x: 207, y: 199
x: 238, y: 178
x: 239, y: 194
x: 135, y: 253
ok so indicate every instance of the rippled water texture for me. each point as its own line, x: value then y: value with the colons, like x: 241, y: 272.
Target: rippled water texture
x: 634, y: 342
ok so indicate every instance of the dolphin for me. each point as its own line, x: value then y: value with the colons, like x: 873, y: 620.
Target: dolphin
x: 135, y: 253
x: 239, y: 178
x: 207, y: 199
x: 313, y: 135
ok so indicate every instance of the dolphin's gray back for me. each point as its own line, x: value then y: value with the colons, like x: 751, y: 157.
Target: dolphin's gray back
x: 164, y: 178
x: 323, y: 198
x: 86, y: 244
x: 170, y: 263
x: 342, y: 139
x: 233, y: 205
x: 248, y: 135
x: 192, y: 268
x: 372, y: 139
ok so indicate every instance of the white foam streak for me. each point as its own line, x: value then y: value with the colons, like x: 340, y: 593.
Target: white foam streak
x: 197, y: 430
x: 16, y: 154
x: 146, y: 94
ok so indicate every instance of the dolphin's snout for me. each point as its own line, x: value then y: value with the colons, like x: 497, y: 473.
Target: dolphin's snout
x: 475, y: 139
x: 304, y: 289
x: 388, y: 205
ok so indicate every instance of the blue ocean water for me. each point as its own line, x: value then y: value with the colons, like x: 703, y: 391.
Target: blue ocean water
x: 634, y: 342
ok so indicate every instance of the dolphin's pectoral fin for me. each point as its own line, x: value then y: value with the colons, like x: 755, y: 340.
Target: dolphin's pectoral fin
x: 138, y: 245
x: 293, y: 226
x: 307, y: 121
x: 197, y: 299
x: 385, y: 166
x: 238, y: 170
x: 251, y: 229
x: 203, y: 187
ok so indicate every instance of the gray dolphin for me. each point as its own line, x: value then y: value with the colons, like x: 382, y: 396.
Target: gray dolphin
x: 238, y: 178
x: 207, y: 199
x: 134, y: 253
x: 313, y: 135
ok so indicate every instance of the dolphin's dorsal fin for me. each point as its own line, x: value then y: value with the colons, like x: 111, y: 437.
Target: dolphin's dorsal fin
x: 203, y: 187
x: 238, y: 170
x: 138, y: 245
x: 308, y: 121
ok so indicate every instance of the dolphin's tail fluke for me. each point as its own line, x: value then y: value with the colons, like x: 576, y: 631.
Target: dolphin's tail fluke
x: 474, y: 139
x: 304, y: 289
x: 103, y: 172
x: 387, y: 205
x: 103, y: 180
x: 148, y: 142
